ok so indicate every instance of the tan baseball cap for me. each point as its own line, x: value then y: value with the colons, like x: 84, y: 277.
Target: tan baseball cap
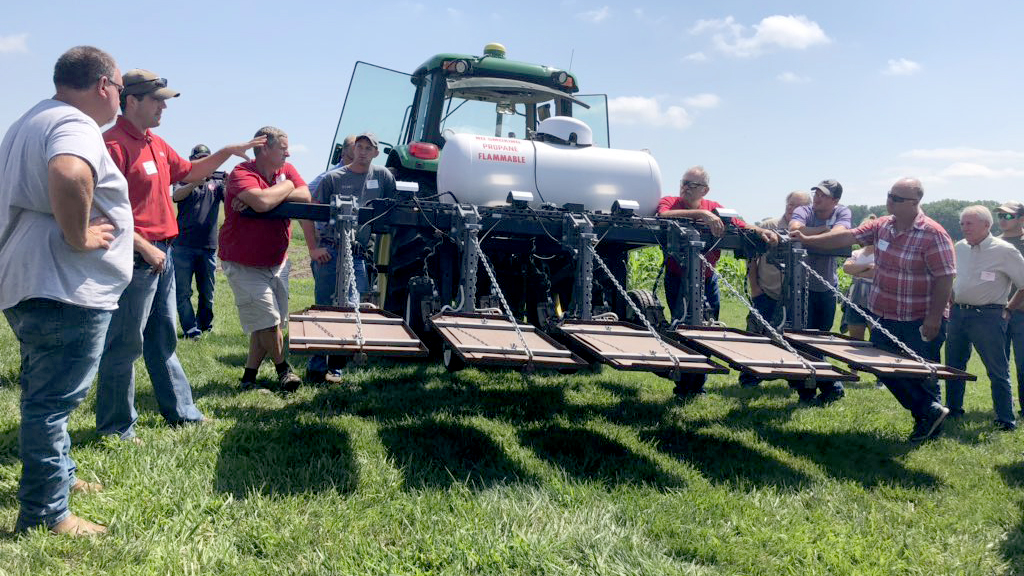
x: 141, y: 82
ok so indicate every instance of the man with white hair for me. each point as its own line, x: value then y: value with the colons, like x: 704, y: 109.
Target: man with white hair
x: 988, y: 268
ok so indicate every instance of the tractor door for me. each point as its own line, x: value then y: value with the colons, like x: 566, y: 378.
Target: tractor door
x: 596, y: 116
x: 378, y: 100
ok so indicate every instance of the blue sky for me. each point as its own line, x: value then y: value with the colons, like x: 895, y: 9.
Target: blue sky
x: 769, y: 97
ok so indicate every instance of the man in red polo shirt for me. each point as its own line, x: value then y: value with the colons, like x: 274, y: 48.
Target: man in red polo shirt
x: 914, y: 269
x: 254, y: 252
x: 144, y: 322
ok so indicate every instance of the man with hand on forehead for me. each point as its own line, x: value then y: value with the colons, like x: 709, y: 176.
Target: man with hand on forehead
x: 143, y: 323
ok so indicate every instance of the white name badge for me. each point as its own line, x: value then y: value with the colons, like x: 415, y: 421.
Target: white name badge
x: 150, y: 167
x: 371, y: 185
x: 988, y: 276
x: 280, y: 178
x: 882, y: 244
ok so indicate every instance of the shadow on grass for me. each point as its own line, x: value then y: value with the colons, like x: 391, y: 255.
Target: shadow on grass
x: 591, y: 456
x: 271, y: 453
x: 724, y: 461
x: 435, y: 454
x: 10, y: 377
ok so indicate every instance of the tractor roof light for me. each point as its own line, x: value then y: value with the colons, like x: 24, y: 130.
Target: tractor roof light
x: 424, y: 151
x: 457, y: 66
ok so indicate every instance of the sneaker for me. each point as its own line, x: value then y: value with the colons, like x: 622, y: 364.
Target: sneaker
x: 255, y: 386
x: 289, y: 381
x: 193, y: 334
x: 929, y: 427
x: 1005, y: 426
x: 956, y: 413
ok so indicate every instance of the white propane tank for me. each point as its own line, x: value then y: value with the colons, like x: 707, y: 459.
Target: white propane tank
x: 481, y: 170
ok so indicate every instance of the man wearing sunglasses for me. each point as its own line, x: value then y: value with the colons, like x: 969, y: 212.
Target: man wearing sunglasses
x: 1010, y: 217
x: 143, y: 323
x: 692, y: 204
x: 914, y: 270
x: 65, y: 258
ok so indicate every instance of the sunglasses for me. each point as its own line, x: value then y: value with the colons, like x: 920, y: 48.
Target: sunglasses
x: 1005, y: 216
x: 156, y: 82
x: 900, y: 199
x: 692, y: 184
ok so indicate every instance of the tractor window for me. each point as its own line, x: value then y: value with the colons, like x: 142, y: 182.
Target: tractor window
x: 463, y: 116
x: 378, y: 101
x: 596, y: 116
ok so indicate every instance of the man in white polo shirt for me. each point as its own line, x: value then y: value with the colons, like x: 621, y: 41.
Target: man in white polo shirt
x: 987, y: 269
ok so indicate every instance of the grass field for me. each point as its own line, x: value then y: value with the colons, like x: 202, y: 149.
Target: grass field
x: 406, y: 469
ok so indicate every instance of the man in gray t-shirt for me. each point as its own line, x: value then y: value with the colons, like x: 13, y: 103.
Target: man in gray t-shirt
x: 824, y: 214
x: 364, y: 181
x: 66, y: 234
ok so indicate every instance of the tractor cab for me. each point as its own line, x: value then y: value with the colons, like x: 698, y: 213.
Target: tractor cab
x: 414, y: 115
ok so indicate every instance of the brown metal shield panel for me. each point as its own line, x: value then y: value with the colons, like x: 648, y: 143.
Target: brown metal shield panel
x: 489, y: 340
x: 330, y: 330
x: 757, y: 354
x: 864, y: 356
x: 630, y: 347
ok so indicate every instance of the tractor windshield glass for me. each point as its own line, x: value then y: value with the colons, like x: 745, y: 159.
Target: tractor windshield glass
x: 596, y: 116
x: 462, y: 116
x: 378, y: 100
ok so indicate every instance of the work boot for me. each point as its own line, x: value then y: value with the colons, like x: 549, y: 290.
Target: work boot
x: 82, y: 487
x: 75, y: 527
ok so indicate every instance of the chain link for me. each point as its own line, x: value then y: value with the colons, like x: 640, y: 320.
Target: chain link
x: 875, y: 325
x: 501, y: 296
x: 636, y: 309
x: 768, y: 325
x: 349, y: 262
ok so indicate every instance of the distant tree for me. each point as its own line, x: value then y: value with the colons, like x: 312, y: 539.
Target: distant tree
x: 946, y: 212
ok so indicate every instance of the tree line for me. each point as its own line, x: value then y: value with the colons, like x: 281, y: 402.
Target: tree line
x: 945, y: 212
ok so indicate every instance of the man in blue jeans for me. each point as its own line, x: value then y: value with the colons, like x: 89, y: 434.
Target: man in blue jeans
x: 195, y: 248
x: 989, y: 268
x: 66, y: 256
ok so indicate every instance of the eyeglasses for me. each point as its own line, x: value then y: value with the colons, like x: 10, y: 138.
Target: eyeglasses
x: 692, y: 184
x: 900, y: 199
x: 119, y: 87
x: 1005, y: 216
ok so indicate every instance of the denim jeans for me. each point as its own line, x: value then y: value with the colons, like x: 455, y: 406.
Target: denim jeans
x: 986, y: 330
x: 143, y: 324
x: 60, y: 351
x: 1015, y: 340
x: 325, y: 283
x: 919, y: 395
x: 673, y: 284
x: 821, y: 310
x: 201, y: 263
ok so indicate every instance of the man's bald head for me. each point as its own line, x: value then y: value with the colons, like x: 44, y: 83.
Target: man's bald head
x: 908, y: 188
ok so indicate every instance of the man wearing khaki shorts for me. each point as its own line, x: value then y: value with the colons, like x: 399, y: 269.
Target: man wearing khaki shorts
x: 254, y: 252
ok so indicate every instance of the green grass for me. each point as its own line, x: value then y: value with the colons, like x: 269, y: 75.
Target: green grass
x: 406, y: 469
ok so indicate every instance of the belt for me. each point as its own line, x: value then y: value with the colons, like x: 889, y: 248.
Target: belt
x: 982, y: 307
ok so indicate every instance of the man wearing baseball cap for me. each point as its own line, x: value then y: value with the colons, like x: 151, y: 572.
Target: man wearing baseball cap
x: 1010, y: 217
x: 143, y: 323
x: 823, y: 215
x: 365, y: 182
x: 195, y: 248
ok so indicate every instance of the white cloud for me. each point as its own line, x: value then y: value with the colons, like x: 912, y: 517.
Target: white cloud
x: 632, y: 110
x: 901, y: 67
x: 975, y: 170
x: 788, y: 32
x: 594, y: 16
x: 696, y: 57
x: 703, y: 101
x: 13, y: 44
x: 792, y: 78
x: 963, y: 154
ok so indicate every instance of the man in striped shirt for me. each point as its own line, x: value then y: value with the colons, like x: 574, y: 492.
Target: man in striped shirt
x: 914, y: 270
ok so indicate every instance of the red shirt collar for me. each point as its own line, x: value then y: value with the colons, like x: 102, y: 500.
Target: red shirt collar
x: 130, y: 129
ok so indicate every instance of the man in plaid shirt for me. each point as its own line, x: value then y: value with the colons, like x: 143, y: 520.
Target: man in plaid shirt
x: 914, y: 270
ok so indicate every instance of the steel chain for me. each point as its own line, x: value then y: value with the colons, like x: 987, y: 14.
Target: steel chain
x: 349, y: 262
x: 636, y: 309
x: 501, y: 296
x: 875, y: 325
x: 768, y: 325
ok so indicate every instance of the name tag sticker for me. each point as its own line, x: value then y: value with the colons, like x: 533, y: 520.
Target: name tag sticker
x: 988, y: 276
x: 150, y: 167
x: 371, y: 185
x: 280, y: 178
x: 882, y: 244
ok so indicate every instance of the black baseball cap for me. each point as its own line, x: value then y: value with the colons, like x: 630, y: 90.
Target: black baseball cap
x: 200, y: 151
x: 830, y: 187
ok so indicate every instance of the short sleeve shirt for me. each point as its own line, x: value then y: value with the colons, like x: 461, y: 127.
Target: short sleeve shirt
x: 677, y: 203
x: 35, y: 260
x: 906, y: 265
x: 823, y: 265
x: 378, y: 182
x: 198, y: 213
x: 986, y: 272
x: 255, y: 241
x: 151, y: 167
